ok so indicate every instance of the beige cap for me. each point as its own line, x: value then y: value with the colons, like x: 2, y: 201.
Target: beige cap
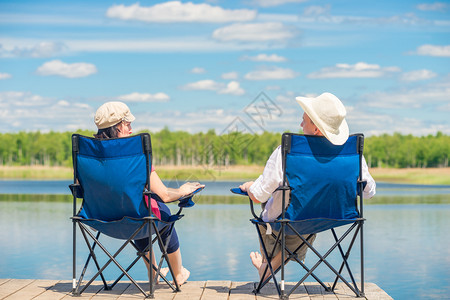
x: 328, y: 113
x: 112, y: 113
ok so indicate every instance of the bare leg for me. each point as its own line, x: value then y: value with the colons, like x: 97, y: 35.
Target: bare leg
x: 260, y: 263
x: 181, y: 274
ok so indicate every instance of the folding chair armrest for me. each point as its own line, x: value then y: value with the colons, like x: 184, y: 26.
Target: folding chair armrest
x: 76, y: 189
x: 184, y: 201
x: 363, y: 183
x: 238, y: 191
x: 252, y: 209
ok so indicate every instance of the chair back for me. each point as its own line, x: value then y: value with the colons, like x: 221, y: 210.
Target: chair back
x: 113, y: 174
x: 323, y: 178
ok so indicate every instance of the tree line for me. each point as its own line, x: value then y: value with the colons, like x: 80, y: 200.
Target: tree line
x: 236, y: 148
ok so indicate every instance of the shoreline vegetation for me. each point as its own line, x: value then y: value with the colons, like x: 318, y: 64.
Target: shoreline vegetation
x: 232, y: 199
x: 425, y: 176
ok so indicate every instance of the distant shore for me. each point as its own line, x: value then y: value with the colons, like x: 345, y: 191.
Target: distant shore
x: 436, y: 176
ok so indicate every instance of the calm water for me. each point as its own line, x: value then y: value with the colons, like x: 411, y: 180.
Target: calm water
x: 406, y: 246
x: 212, y: 187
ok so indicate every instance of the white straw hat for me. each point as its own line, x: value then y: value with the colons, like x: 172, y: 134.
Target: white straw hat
x: 328, y: 113
x: 112, y: 113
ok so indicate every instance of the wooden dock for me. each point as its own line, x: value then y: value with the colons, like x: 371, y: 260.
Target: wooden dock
x: 24, y: 289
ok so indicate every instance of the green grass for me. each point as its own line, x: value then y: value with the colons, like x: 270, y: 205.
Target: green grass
x: 436, y: 176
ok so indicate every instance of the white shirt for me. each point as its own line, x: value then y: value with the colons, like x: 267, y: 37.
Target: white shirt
x: 272, y: 177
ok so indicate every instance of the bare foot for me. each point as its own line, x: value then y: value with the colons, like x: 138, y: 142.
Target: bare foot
x: 163, y: 272
x: 256, y: 259
x: 183, y: 276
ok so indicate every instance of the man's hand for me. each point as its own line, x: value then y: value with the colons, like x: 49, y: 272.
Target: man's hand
x: 245, y: 187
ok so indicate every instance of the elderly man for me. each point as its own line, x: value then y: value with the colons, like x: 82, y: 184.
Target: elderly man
x: 323, y: 116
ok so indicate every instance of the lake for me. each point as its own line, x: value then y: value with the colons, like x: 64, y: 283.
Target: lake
x: 406, y: 237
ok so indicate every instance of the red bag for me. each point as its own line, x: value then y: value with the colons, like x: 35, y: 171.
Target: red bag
x: 154, y: 205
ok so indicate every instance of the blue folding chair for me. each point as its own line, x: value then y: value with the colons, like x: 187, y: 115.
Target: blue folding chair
x: 325, y: 182
x: 112, y: 176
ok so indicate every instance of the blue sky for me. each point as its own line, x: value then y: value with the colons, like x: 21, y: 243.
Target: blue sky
x: 203, y: 65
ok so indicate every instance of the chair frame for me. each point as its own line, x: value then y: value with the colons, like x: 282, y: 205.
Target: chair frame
x: 356, y: 226
x: 90, y: 237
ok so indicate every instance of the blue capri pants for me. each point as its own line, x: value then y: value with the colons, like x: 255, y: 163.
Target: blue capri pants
x: 174, y: 244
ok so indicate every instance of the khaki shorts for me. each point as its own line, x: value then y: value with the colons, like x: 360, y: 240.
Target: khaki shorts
x: 292, y: 243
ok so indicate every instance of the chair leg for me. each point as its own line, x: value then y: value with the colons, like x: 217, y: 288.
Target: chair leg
x: 112, y: 259
x: 345, y: 257
x: 91, y: 255
x: 166, y: 257
x: 263, y: 282
x: 323, y: 258
x: 362, y: 293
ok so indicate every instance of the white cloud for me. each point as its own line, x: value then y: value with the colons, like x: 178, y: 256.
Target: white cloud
x: 232, y: 88
x: 268, y: 3
x: 273, y: 88
x: 59, y: 68
x: 271, y: 73
x: 437, y: 6
x: 417, y: 97
x: 230, y: 75
x: 39, y: 50
x: 21, y: 99
x: 198, y: 70
x: 173, y: 44
x: 418, y: 75
x: 5, y: 76
x: 432, y: 50
x: 254, y: 32
x: 138, y: 97
x: 358, y: 70
x: 315, y: 10
x: 63, y: 103
x: 27, y: 111
x: 265, y: 57
x: 203, y: 85
x: 176, y: 11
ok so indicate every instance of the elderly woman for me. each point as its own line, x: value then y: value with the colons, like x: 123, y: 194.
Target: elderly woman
x: 113, y: 120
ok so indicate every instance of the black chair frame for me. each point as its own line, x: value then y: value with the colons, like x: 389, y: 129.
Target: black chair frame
x: 90, y: 237
x: 356, y: 228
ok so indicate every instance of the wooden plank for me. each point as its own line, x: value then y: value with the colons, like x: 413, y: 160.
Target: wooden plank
x: 131, y: 293
x: 216, y: 290
x: 32, y: 290
x: 373, y: 291
x: 91, y: 290
x: 314, y: 290
x: 12, y: 286
x: 162, y: 291
x: 299, y: 293
x: 115, y: 293
x: 269, y: 291
x: 343, y: 292
x: 57, y: 291
x: 28, y: 289
x: 329, y: 295
x: 4, y: 280
x: 191, y: 290
x: 242, y: 291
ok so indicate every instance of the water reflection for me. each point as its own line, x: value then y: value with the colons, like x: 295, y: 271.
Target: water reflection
x: 407, y: 246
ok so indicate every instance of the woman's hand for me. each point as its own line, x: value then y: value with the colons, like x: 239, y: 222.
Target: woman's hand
x: 190, y: 187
